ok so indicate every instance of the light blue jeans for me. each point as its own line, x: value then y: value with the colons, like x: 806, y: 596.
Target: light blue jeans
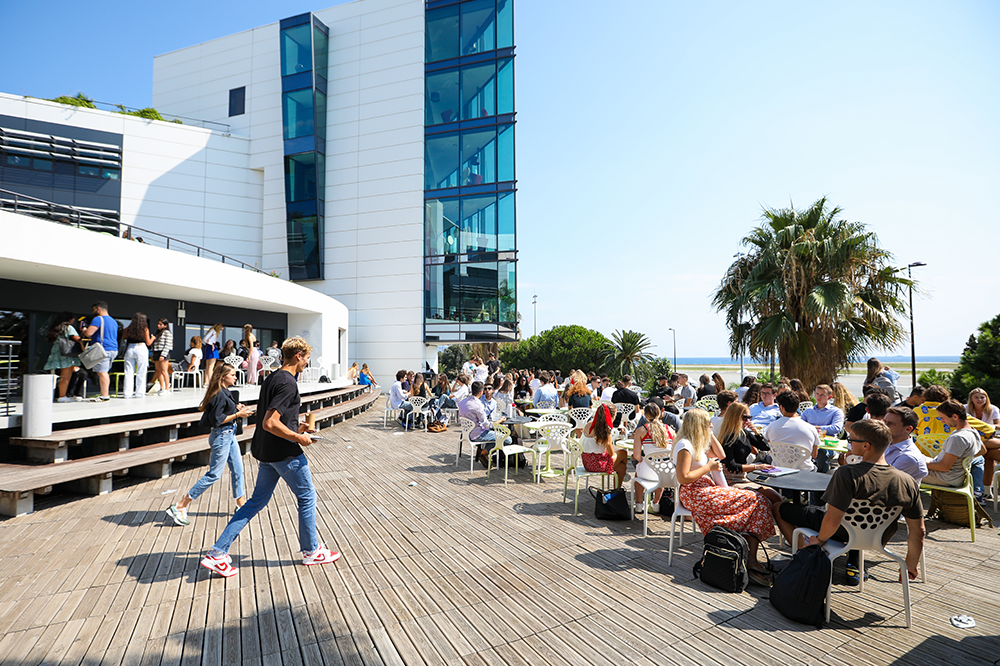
x: 225, y: 449
x: 136, y: 362
x: 295, y: 473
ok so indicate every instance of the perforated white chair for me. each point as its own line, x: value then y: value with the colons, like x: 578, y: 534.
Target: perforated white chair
x: 804, y: 405
x: 549, y: 437
x: 625, y: 410
x: 419, y: 408
x: 466, y: 425
x: 680, y: 512
x: 572, y: 451
x: 180, y: 377
x: 546, y: 404
x: 865, y: 524
x: 389, y: 411
x: 314, y: 371
x: 654, y: 472
x: 579, y: 416
x: 710, y: 404
x: 679, y: 404
x: 792, y: 456
x: 236, y: 363
x: 502, y: 432
x: 503, y: 404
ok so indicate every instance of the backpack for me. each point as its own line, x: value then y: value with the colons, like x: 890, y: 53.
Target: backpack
x: 799, y: 591
x: 724, y: 562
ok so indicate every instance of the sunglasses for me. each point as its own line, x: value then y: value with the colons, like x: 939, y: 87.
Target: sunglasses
x: 746, y: 417
x: 860, y: 441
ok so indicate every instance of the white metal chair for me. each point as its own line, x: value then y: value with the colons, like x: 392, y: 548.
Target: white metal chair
x: 625, y: 410
x: 579, y: 416
x: 467, y: 426
x: 502, y: 432
x: 180, y: 377
x: 679, y: 404
x: 546, y: 404
x: 389, y: 411
x: 554, y: 418
x: 268, y: 364
x: 572, y: 451
x: 503, y: 404
x: 865, y: 524
x: 679, y: 512
x: 313, y: 372
x: 654, y: 472
x: 964, y: 490
x: 710, y: 404
x: 792, y: 456
x: 804, y: 405
x: 419, y: 408
x: 235, y: 361
x: 549, y: 437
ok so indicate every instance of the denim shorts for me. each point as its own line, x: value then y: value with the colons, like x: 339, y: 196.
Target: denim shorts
x: 105, y: 365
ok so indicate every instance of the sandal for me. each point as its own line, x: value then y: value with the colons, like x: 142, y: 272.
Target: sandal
x: 759, y: 576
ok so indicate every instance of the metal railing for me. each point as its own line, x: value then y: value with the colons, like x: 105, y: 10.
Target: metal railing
x: 109, y: 224
x: 10, y: 376
x: 168, y: 117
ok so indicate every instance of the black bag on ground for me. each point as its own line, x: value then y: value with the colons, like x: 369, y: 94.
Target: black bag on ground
x: 611, y: 504
x: 667, y: 502
x: 799, y: 591
x: 724, y: 562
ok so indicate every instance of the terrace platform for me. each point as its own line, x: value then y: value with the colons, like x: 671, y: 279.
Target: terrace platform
x: 457, y: 569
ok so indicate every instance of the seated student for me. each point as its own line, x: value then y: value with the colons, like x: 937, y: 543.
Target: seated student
x: 599, y: 454
x: 624, y: 394
x: 724, y: 399
x: 577, y: 395
x: 858, y: 412
x: 964, y: 442
x: 651, y: 436
x: 193, y: 357
x: 903, y: 454
x: 706, y: 387
x: 871, y: 479
x: 765, y: 411
x: 398, y: 397
x: 741, y: 442
x: 471, y: 407
x: 915, y: 399
x: 744, y: 511
x: 545, y: 390
x: 792, y: 429
x: 827, y: 418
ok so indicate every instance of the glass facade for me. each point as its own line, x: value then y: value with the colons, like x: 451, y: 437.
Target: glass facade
x: 470, y: 249
x: 304, y: 61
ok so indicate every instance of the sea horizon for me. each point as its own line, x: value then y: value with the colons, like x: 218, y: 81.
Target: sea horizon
x: 725, y: 360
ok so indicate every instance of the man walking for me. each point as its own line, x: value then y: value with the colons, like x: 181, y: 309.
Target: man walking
x: 106, y: 329
x: 277, y: 443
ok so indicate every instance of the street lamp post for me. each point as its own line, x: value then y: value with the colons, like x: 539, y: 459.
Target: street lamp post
x: 675, y: 347
x: 913, y: 344
x: 534, y: 302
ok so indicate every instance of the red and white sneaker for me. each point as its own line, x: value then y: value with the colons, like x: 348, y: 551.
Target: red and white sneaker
x: 321, y: 555
x: 220, y: 565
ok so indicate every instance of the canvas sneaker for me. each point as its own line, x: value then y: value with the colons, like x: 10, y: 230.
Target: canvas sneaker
x: 321, y: 555
x: 65, y: 399
x: 220, y: 565
x: 180, y: 516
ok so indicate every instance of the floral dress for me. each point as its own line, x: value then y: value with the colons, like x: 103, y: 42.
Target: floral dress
x: 710, y: 505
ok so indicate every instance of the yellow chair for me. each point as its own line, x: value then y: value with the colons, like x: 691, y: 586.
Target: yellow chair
x: 965, y: 490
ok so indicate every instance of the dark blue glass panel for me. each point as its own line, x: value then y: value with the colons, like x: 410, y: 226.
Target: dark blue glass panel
x: 237, y: 101
x: 320, y: 115
x: 297, y: 81
x: 479, y: 91
x: 294, y: 20
x: 442, y: 33
x: 505, y: 24
x: 304, y: 251
x: 505, y: 222
x: 300, y: 177
x: 505, y: 153
x: 442, y: 97
x: 304, y: 144
x: 441, y: 227
x: 479, y: 292
x: 321, y: 50
x: 478, y: 26
x: 298, y: 113
x: 505, y: 86
x: 296, y: 50
x: 441, y: 162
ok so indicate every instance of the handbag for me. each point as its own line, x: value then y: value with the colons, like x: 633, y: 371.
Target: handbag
x: 69, y: 347
x: 94, y: 353
x: 611, y: 504
x: 799, y: 591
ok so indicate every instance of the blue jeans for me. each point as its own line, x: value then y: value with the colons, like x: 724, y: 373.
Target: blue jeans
x: 225, y: 449
x: 295, y: 473
x: 978, y: 469
x: 490, y: 436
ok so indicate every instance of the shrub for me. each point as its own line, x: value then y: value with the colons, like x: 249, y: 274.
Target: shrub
x: 932, y: 376
x: 980, y: 363
x: 78, y: 100
x: 451, y: 358
x: 647, y: 373
x: 559, y: 348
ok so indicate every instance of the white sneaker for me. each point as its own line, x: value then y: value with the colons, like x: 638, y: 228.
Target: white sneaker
x: 65, y: 399
x: 321, y: 555
x: 220, y: 565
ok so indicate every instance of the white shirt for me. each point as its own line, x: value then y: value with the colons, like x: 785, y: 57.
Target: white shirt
x: 685, y: 445
x: 608, y: 392
x: 989, y: 417
x: 397, y: 396
x: 482, y: 372
x: 546, y: 392
x: 469, y: 368
x: 194, y: 356
x: 762, y: 415
x: 716, y: 425
x: 794, y: 431
x: 534, y: 384
x: 461, y: 392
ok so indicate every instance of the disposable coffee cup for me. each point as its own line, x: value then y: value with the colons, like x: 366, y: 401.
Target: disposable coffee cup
x: 311, y: 420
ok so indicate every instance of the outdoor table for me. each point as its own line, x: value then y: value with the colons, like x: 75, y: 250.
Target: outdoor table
x: 813, y: 482
x: 833, y: 444
x: 540, y: 412
x: 548, y: 472
x: 518, y: 420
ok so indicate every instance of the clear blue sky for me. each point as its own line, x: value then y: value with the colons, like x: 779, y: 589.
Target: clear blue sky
x: 650, y: 133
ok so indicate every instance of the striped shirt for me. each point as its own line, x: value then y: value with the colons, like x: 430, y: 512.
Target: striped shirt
x: 164, y: 341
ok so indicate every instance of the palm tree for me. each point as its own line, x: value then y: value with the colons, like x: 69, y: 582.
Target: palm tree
x: 816, y: 289
x: 626, y: 353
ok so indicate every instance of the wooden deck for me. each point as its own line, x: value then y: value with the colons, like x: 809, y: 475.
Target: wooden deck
x: 457, y: 569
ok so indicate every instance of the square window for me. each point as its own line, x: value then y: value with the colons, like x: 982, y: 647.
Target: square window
x: 237, y: 101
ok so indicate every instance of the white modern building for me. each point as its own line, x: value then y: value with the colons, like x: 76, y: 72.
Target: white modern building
x: 365, y: 151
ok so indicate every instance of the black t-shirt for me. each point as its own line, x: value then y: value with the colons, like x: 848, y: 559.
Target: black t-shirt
x: 493, y: 366
x: 662, y: 391
x: 707, y: 389
x: 219, y: 407
x: 279, y: 392
x: 857, y: 412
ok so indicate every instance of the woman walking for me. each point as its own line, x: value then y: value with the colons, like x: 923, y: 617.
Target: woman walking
x: 163, y: 344
x: 210, y: 350
x: 253, y: 355
x: 62, y: 329
x: 220, y: 414
x: 137, y: 341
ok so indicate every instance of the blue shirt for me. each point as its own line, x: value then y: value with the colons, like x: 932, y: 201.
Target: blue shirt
x: 546, y: 392
x: 762, y: 415
x: 907, y: 458
x: 110, y: 339
x: 830, y: 418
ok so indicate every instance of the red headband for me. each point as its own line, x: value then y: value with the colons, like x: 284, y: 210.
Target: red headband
x: 607, y: 416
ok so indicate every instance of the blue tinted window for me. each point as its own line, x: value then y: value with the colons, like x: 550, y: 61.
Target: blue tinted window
x: 442, y: 33
x: 505, y: 86
x: 89, y: 171
x: 479, y: 224
x: 298, y: 113
x: 505, y: 24
x: 479, y: 91
x: 42, y: 165
x: 441, y: 230
x: 441, y: 105
x: 237, y: 101
x: 441, y: 162
x: 505, y: 222
x: 479, y: 292
x: 321, y: 51
x: 507, y: 292
x: 505, y: 153
x: 304, y: 252
x: 19, y: 160
x: 300, y: 177
x: 320, y: 115
x: 479, y: 158
x: 478, y: 26
x: 296, y: 50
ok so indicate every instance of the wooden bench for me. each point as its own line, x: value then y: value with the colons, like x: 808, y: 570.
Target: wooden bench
x: 54, y: 448
x: 333, y: 396
x: 93, y: 475
x: 344, y: 410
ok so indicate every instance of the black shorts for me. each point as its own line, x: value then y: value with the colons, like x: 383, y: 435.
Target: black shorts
x: 161, y: 356
x: 811, y: 517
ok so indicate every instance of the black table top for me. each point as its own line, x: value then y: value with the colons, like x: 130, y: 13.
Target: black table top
x: 519, y: 420
x: 815, y: 482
